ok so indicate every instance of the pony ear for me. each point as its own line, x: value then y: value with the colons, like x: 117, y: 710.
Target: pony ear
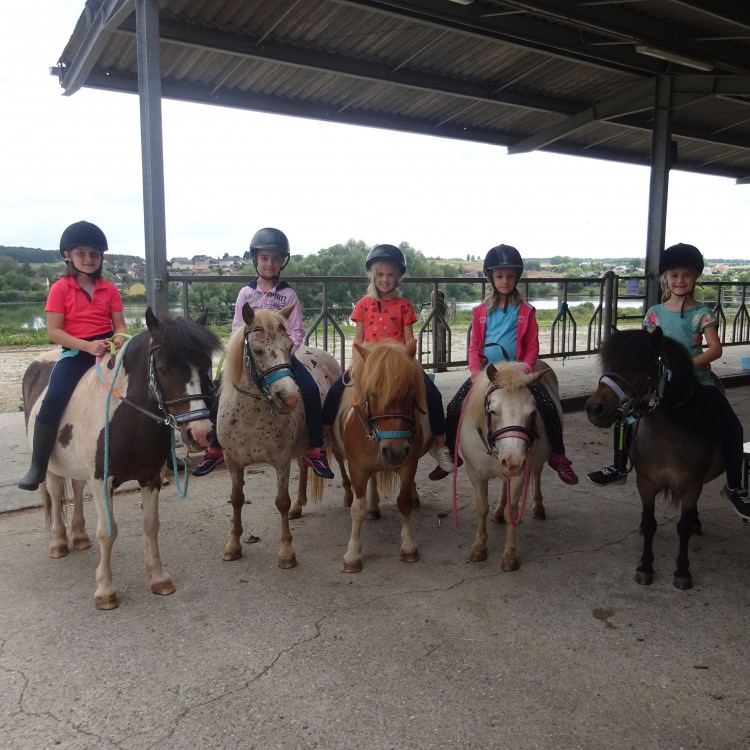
x: 248, y: 314
x: 361, y: 350
x: 491, y: 371
x: 411, y: 348
x: 152, y: 321
x: 287, y: 311
x: 203, y: 318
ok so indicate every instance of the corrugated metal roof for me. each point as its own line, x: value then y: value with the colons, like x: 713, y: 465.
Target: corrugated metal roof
x: 559, y: 76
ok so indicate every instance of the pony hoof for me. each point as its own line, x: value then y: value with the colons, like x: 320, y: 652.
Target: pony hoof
x: 82, y: 543
x: 295, y: 513
x: 643, y: 578
x: 351, y: 567
x: 163, y: 588
x: 58, y: 551
x: 373, y: 515
x: 479, y: 556
x: 508, y: 566
x: 540, y: 515
x: 106, y: 602
x: 287, y: 563
x: 499, y: 518
x: 409, y: 557
x: 683, y: 583
x: 232, y: 554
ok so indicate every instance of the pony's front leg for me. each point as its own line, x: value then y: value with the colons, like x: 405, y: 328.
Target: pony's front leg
x: 352, y: 562
x: 682, y: 578
x: 287, y: 558
x: 52, y: 490
x: 105, y: 596
x: 510, y: 561
x: 233, y: 548
x: 481, y: 509
x: 644, y: 573
x: 78, y: 534
x: 158, y: 578
x: 405, y: 501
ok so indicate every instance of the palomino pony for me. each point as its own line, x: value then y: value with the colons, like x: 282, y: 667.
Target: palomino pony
x: 261, y: 417
x: 160, y: 381
x: 503, y: 436
x: 383, y: 429
x: 649, y: 380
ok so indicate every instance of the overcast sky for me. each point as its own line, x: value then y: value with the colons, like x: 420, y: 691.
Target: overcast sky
x: 228, y: 173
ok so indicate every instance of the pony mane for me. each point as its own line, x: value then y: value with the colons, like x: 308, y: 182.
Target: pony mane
x: 509, y: 375
x: 390, y: 372
x: 234, y: 360
x: 183, y: 340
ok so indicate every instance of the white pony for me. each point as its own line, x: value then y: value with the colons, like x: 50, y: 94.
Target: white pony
x: 503, y: 436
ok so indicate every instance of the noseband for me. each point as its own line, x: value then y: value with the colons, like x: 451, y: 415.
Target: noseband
x: 369, y: 423
x: 511, y: 431
x: 264, y: 378
x: 173, y: 420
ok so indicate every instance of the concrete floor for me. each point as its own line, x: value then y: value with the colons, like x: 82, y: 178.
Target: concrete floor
x: 566, y: 653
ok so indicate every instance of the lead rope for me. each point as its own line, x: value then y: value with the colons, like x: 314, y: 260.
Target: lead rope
x: 181, y: 490
x: 526, y: 474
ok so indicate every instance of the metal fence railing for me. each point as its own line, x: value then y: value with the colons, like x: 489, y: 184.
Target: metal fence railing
x: 581, y: 310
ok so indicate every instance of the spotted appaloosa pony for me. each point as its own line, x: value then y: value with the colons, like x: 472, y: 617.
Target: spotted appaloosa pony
x: 383, y: 428
x: 161, y: 381
x: 502, y: 436
x: 648, y: 379
x: 261, y: 417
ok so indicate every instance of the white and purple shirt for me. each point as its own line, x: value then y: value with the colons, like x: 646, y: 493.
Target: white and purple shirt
x: 282, y: 295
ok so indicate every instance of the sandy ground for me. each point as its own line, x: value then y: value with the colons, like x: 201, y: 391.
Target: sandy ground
x: 13, y: 363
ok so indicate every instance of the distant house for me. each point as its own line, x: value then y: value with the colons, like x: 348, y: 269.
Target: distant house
x: 203, y: 266
x: 181, y: 264
x: 134, y: 288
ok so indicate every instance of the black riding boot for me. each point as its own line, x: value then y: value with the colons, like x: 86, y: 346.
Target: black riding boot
x: 44, y: 442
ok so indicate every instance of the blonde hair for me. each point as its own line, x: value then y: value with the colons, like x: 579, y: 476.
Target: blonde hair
x: 665, y: 293
x: 374, y: 268
x: 514, y: 298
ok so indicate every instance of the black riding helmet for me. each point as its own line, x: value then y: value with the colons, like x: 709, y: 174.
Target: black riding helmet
x: 503, y: 256
x: 388, y: 253
x: 269, y: 238
x: 82, y: 234
x: 681, y: 256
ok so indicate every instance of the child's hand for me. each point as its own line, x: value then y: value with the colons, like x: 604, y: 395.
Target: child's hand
x: 97, y: 348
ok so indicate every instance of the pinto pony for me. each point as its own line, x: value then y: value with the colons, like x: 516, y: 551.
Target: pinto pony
x: 261, y: 417
x: 159, y: 381
x: 383, y: 428
x: 503, y: 436
x: 649, y: 380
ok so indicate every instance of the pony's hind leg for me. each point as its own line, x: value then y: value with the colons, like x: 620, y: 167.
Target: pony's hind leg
x: 233, y: 548
x: 52, y: 491
x: 296, y: 510
x: 478, y: 551
x: 538, y: 511
x: 78, y: 534
x: 682, y: 578
x: 158, y: 578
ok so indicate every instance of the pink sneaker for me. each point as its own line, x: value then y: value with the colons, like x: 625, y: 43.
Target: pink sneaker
x: 212, y: 458
x: 564, y: 468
